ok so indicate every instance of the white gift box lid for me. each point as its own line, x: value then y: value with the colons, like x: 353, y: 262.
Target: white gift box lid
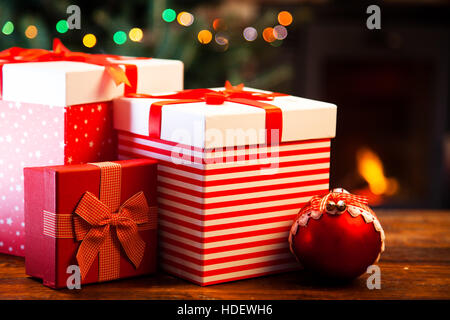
x: 229, y: 124
x: 64, y: 83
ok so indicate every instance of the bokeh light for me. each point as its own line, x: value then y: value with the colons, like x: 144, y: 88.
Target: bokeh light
x: 89, y: 40
x: 31, y: 32
x: 250, y: 34
x: 204, y: 36
x: 285, y: 18
x: 221, y: 39
x: 268, y: 35
x: 62, y: 26
x: 136, y: 34
x: 169, y: 15
x: 8, y: 28
x: 120, y: 37
x: 280, y: 32
x: 219, y: 24
x: 185, y: 18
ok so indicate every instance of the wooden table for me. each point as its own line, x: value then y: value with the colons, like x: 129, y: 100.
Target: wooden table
x: 415, y: 265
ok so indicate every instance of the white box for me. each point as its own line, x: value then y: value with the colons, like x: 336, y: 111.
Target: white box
x: 62, y: 83
x: 226, y: 205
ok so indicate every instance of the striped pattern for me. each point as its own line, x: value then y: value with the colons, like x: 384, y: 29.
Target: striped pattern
x: 226, y: 214
x: 58, y: 225
x: 61, y: 225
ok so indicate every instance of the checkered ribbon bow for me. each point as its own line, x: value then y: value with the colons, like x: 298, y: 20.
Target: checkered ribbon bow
x: 319, y: 203
x: 98, y: 228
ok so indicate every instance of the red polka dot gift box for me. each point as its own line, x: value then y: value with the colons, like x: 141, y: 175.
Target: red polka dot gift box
x: 90, y: 223
x: 235, y: 166
x: 55, y: 109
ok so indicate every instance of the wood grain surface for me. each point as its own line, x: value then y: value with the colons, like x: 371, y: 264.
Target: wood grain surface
x: 415, y: 265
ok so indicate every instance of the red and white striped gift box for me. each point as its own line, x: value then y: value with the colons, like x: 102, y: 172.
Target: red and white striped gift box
x: 225, y: 214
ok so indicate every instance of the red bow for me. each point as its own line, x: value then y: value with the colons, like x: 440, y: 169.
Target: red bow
x: 102, y: 232
x: 237, y: 94
x: 318, y: 203
x: 61, y: 53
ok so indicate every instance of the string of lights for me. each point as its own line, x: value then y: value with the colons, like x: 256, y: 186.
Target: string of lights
x: 183, y: 18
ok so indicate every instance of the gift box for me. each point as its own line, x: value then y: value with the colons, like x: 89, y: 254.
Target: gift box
x: 100, y: 217
x: 235, y: 166
x: 56, y: 109
x: 62, y: 78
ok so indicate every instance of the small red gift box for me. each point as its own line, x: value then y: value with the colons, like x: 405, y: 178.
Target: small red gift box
x: 98, y: 216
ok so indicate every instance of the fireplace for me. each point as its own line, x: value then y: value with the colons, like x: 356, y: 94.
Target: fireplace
x: 390, y: 87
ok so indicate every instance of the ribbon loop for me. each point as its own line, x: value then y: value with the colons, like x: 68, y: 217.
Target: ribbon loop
x: 90, y: 246
x: 103, y: 224
x: 92, y: 210
x: 135, y: 208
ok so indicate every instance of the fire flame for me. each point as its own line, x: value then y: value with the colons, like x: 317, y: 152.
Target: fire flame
x: 371, y: 169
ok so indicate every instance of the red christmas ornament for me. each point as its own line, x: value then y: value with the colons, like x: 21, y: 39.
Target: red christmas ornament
x: 337, y: 235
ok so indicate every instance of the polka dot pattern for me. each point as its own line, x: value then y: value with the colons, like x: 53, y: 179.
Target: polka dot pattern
x: 89, y: 133
x: 38, y: 135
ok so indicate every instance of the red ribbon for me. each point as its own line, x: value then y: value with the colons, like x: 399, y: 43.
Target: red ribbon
x: 237, y: 94
x: 318, y: 203
x: 101, y: 226
x: 61, y: 53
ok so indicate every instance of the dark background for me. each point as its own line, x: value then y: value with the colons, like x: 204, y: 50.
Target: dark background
x: 390, y: 85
